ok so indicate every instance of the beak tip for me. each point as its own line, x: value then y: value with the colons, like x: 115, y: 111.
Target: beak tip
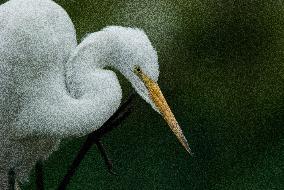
x: 184, y: 143
x: 189, y: 151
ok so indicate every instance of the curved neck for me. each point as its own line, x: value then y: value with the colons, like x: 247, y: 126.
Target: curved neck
x: 92, y: 53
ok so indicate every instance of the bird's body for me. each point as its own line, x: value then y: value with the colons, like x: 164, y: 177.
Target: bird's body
x: 51, y: 87
x: 36, y: 40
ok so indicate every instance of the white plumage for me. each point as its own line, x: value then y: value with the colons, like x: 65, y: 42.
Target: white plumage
x: 51, y: 88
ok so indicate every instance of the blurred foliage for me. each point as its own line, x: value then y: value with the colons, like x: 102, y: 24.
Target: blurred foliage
x: 222, y: 71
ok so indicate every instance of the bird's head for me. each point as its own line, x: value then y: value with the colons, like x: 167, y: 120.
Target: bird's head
x: 131, y: 52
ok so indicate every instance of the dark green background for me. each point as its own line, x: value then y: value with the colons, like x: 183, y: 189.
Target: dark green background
x: 222, y: 72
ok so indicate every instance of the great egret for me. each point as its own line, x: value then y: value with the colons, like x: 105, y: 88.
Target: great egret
x: 51, y: 88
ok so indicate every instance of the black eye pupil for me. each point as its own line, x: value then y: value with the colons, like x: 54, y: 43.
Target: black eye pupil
x: 138, y: 69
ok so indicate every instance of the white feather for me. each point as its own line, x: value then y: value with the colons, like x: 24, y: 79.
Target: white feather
x: 51, y: 88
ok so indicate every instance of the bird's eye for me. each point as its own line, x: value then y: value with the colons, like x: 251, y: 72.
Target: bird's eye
x: 137, y: 69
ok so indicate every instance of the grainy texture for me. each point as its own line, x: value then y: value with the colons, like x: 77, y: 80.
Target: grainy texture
x: 52, y: 88
x: 222, y: 71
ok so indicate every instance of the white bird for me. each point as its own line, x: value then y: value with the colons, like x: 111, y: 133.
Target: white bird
x: 51, y: 87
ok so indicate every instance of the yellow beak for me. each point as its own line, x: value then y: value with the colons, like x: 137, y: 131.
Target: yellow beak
x: 162, y: 105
